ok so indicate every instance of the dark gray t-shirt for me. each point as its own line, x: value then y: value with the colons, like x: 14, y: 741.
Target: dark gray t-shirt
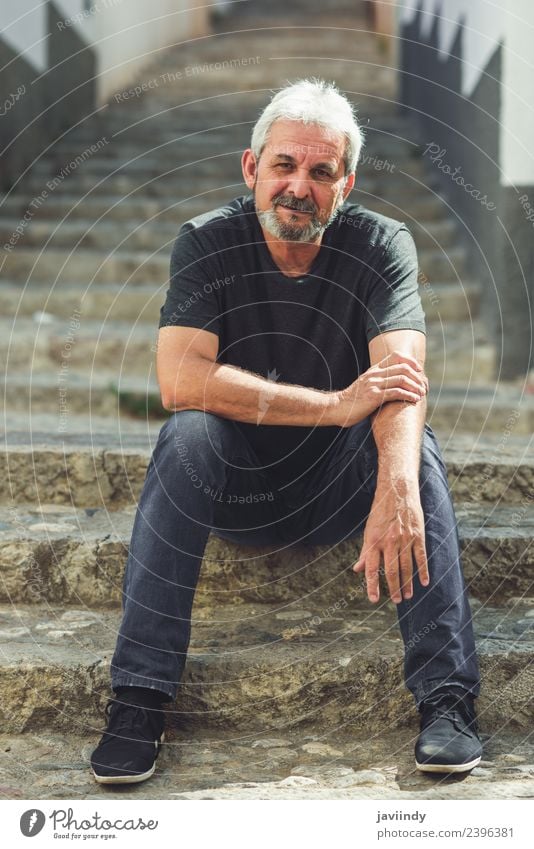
x: 313, y: 330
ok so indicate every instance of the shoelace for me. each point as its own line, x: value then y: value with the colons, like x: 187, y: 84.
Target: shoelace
x: 455, y: 710
x: 127, y: 717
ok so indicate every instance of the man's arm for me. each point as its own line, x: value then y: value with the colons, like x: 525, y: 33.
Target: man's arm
x: 394, y: 532
x: 191, y: 379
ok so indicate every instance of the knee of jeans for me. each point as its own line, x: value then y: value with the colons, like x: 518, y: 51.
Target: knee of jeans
x: 431, y: 455
x: 196, y: 431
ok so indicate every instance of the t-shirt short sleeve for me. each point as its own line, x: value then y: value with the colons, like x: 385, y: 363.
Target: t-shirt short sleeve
x: 191, y: 299
x: 393, y: 301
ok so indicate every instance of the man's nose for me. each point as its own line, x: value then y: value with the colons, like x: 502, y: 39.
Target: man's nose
x: 299, y: 184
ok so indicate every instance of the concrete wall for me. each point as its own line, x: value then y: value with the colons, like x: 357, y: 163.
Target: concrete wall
x: 466, y: 77
x: 47, y: 80
x: 125, y: 35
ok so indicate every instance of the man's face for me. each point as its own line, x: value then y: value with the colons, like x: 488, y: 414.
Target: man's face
x: 299, y: 181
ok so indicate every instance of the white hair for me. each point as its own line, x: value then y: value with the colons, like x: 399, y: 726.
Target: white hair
x: 312, y: 101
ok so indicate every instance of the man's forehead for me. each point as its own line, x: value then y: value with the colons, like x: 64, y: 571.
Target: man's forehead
x: 294, y: 139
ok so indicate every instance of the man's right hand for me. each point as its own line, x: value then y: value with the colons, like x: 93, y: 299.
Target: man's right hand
x: 397, y: 377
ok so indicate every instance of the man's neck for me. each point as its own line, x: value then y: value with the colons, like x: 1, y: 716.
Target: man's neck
x: 292, y: 258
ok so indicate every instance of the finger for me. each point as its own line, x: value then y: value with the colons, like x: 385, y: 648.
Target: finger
x: 396, y: 357
x: 404, y: 382
x: 400, y: 395
x: 422, y: 562
x: 406, y: 571
x: 371, y: 575
x: 403, y: 370
x: 391, y: 567
x: 359, y: 566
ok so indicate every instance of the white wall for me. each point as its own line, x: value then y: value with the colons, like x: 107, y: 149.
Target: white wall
x: 486, y: 23
x: 22, y: 26
x: 124, y: 33
x: 517, y: 119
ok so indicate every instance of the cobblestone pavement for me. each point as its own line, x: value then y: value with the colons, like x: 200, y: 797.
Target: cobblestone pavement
x: 294, y: 764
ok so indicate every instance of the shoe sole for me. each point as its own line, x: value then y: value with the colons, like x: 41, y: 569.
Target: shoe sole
x: 127, y: 779
x: 448, y: 767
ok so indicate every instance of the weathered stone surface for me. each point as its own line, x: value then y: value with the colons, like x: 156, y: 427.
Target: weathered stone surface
x: 224, y: 764
x: 145, y: 235
x: 64, y: 554
x: 107, y: 465
x: 241, y: 673
x: 476, y: 409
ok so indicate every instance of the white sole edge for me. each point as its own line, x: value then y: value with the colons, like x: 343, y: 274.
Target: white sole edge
x: 448, y: 767
x: 126, y: 779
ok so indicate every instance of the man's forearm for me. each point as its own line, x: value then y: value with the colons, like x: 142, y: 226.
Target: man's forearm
x: 397, y: 430
x: 234, y: 393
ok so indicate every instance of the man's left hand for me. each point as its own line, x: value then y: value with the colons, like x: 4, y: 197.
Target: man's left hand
x: 394, y: 533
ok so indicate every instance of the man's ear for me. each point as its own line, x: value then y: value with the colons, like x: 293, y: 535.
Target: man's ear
x: 248, y: 166
x: 349, y: 185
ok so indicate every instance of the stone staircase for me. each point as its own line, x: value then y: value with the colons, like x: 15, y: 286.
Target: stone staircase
x: 293, y: 687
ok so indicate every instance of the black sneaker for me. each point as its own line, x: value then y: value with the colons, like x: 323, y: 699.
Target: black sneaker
x: 131, y: 743
x: 449, y: 740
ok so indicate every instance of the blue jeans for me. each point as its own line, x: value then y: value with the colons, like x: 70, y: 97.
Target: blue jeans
x: 200, y: 455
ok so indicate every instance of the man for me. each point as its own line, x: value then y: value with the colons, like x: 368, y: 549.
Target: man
x: 295, y: 283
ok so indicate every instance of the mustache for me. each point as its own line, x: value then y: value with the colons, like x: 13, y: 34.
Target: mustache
x: 294, y: 203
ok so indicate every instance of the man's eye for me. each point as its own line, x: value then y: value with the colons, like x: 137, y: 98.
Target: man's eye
x: 284, y: 165
x: 322, y: 174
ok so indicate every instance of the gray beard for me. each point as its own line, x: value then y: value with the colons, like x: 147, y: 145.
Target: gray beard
x: 294, y: 232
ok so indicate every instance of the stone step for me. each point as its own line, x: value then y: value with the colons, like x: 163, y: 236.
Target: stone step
x: 55, y: 265
x: 181, y: 149
x: 216, y: 161
x: 202, y: 104
x: 271, y: 39
x: 248, y: 78
x: 191, y: 163
x: 272, y: 36
x: 179, y: 130
x: 492, y: 409
x: 179, y: 134
x: 74, y: 343
x: 439, y: 263
x: 75, y: 556
x: 455, y: 352
x: 501, y: 407
x: 436, y: 234
x: 295, y: 763
x: 173, y: 129
x: 182, y: 181
x: 247, y: 670
x: 99, y: 394
x: 198, y: 177
x: 156, y: 234
x: 116, y: 302
x: 66, y: 459
x: 129, y: 262
x: 444, y: 302
x: 372, y: 88
x: 141, y: 207
x: 459, y: 351
x: 82, y: 233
